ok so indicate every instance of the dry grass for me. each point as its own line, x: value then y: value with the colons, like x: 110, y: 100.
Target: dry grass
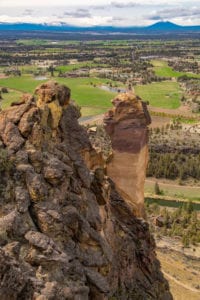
x: 180, y: 293
x: 182, y: 274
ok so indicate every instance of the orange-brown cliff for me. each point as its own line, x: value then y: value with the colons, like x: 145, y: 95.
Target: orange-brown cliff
x: 126, y: 125
x: 65, y: 231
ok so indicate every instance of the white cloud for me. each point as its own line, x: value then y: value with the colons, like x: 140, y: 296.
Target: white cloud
x: 56, y: 20
x: 53, y: 3
x: 25, y: 19
x: 100, y: 12
x: 49, y: 3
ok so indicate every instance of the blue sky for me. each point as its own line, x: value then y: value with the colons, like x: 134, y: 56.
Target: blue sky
x: 100, y: 12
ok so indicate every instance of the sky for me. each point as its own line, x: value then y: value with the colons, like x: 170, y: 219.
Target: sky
x: 100, y: 12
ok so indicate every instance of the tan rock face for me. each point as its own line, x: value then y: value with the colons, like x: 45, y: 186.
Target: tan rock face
x: 65, y: 231
x: 52, y: 92
x: 127, y: 125
x: 55, y: 97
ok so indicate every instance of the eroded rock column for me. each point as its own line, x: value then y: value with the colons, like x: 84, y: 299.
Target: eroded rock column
x: 127, y: 125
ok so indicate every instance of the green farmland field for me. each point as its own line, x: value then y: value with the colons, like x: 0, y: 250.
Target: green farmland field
x: 162, y: 69
x: 39, y: 42
x: 26, y: 84
x: 10, y: 97
x: 165, y: 94
x: 176, y: 191
x: 86, y: 94
x: 84, y: 91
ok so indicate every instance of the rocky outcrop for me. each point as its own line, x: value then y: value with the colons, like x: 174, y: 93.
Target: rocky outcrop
x: 65, y: 231
x: 126, y: 124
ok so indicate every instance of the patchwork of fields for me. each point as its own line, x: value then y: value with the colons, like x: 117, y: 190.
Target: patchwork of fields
x: 86, y: 91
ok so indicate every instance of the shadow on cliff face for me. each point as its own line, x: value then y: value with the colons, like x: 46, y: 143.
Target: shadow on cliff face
x: 65, y: 232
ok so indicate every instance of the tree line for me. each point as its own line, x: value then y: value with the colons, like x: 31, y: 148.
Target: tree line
x: 174, y: 165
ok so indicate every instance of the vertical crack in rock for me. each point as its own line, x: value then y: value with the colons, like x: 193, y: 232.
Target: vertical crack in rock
x: 66, y: 232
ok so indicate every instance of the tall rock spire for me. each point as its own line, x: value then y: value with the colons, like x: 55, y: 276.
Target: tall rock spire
x: 126, y: 125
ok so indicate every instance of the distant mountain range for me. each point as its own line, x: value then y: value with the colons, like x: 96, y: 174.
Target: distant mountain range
x: 159, y: 27
x: 169, y: 26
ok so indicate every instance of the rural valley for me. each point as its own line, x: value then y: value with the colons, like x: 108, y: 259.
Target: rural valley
x: 164, y: 72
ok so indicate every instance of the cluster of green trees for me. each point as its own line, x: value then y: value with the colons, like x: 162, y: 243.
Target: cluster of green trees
x: 13, y: 72
x: 176, y: 117
x: 184, y: 65
x: 174, y: 165
x: 183, y: 222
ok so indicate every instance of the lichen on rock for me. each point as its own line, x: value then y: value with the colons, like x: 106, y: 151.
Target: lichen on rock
x: 65, y: 230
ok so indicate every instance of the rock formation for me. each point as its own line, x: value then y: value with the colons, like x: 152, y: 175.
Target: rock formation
x: 127, y: 125
x: 65, y: 231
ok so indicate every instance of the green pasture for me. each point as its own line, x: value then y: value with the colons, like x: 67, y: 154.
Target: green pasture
x: 41, y: 42
x: 165, y: 94
x: 175, y: 191
x: 87, y: 111
x: 84, y: 91
x: 162, y: 69
x: 85, y: 94
x: 10, y: 97
x: 26, y: 84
